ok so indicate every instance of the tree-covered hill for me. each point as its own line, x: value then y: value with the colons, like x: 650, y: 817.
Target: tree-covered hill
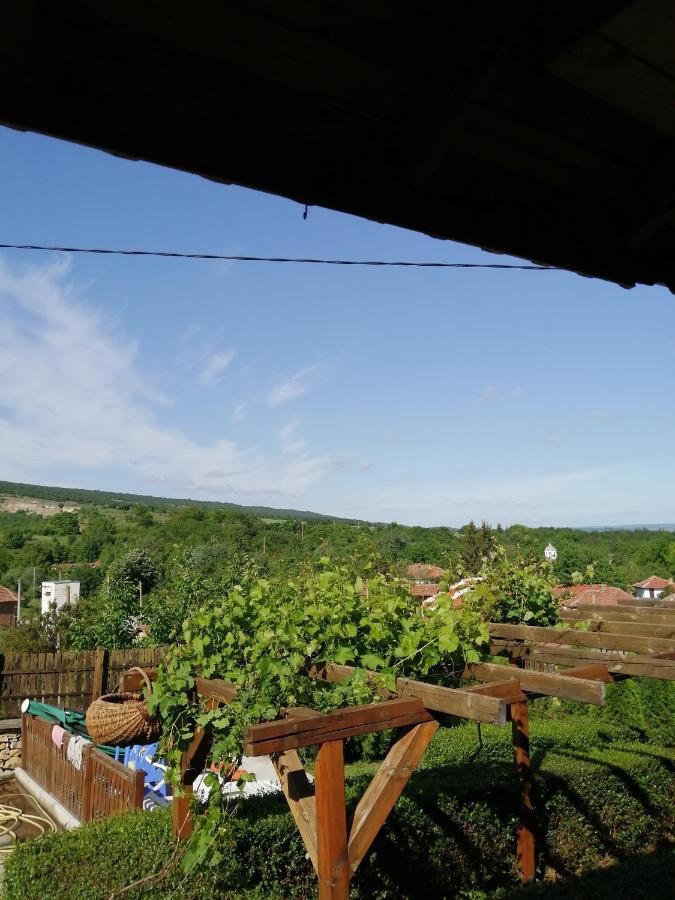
x: 125, y: 501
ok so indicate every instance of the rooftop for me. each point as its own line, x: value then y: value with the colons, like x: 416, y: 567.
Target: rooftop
x: 6, y: 596
x: 655, y: 583
x: 596, y: 594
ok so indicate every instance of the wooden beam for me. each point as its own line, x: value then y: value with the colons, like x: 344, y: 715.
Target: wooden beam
x: 618, y: 614
x: 181, y: 817
x: 385, y: 789
x: 217, y: 688
x: 570, y: 636
x: 641, y: 609
x: 521, y: 754
x: 595, y: 672
x: 616, y: 663
x: 300, y: 794
x: 550, y: 684
x: 436, y: 698
x: 331, y: 821
x: 287, y: 734
x: 642, y: 627
x: 507, y: 689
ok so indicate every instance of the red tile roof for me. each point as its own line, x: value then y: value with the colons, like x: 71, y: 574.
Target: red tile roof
x: 6, y: 596
x: 654, y: 582
x: 424, y: 570
x: 597, y: 594
x: 424, y: 590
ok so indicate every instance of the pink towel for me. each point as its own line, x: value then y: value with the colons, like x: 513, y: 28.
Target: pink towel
x: 57, y: 735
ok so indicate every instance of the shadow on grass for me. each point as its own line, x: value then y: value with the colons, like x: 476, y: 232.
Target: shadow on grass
x: 648, y: 877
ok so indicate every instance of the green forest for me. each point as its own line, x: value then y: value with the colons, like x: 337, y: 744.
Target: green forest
x: 156, y: 560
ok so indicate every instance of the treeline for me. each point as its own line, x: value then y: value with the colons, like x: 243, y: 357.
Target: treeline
x: 84, y: 544
x: 125, y: 501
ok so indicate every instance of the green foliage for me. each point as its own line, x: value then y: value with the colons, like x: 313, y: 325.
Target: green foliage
x: 643, y: 708
x: 41, y: 633
x: 65, y: 523
x: 135, y: 567
x: 515, y: 591
x: 265, y: 632
x: 600, y: 800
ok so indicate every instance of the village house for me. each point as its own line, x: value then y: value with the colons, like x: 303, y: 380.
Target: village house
x: 652, y: 588
x: 9, y: 606
x: 571, y: 595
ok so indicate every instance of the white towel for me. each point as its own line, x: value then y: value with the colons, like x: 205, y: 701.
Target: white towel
x: 74, y: 752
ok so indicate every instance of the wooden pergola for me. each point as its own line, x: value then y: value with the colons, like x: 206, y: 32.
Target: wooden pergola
x: 588, y: 660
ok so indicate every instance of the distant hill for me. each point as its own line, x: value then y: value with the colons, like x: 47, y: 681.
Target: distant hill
x: 113, y: 498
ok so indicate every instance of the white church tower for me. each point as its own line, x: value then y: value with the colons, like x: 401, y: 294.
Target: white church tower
x: 550, y: 553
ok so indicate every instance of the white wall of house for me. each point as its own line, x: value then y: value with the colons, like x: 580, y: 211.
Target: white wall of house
x: 648, y: 593
x: 59, y: 592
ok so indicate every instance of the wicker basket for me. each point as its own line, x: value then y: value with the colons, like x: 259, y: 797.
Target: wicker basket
x: 121, y: 719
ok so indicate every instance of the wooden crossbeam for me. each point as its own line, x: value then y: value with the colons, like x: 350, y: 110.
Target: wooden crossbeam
x: 642, y: 628
x: 301, y: 796
x: 634, y: 608
x: 551, y: 684
x: 617, y: 614
x: 507, y: 689
x: 570, y: 636
x: 287, y: 734
x: 436, y: 698
x: 616, y: 663
x: 596, y: 672
x: 217, y: 688
x: 385, y: 789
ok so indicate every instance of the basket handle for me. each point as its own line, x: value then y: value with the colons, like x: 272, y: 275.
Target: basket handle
x: 144, y: 675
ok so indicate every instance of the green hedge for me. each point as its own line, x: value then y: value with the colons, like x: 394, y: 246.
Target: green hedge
x: 641, y: 707
x: 600, y: 799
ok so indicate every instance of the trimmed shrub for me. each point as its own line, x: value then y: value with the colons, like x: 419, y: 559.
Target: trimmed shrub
x: 600, y: 799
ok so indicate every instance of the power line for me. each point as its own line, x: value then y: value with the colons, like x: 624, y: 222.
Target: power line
x: 175, y: 254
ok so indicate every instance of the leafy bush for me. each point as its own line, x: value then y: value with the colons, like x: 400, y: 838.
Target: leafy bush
x: 598, y: 802
x: 644, y: 709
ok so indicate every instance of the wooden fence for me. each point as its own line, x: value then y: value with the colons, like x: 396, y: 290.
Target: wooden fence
x: 98, y: 789
x: 71, y: 679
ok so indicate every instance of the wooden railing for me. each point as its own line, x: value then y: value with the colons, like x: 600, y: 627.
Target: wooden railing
x: 98, y: 789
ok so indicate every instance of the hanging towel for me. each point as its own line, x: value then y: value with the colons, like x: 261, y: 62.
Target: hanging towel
x: 74, y: 753
x: 57, y: 735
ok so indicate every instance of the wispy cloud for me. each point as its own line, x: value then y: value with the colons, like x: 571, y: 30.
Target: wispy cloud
x: 291, y: 444
x: 291, y: 388
x: 82, y: 404
x: 239, y: 411
x: 519, y: 499
x: 214, y: 365
x: 492, y: 392
x: 600, y: 414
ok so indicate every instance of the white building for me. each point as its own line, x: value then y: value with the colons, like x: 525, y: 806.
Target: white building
x: 550, y: 553
x: 59, y: 592
x: 651, y: 588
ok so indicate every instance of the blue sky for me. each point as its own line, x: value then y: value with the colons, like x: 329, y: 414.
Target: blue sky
x: 418, y: 396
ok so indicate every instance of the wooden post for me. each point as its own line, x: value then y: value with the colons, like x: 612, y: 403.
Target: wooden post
x: 100, y: 672
x: 521, y: 753
x: 331, y: 820
x: 180, y: 813
x: 88, y: 784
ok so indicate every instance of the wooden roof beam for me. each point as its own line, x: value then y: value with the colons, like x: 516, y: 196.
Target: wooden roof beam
x: 550, y: 684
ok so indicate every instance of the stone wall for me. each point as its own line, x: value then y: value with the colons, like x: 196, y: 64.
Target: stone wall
x: 10, y: 744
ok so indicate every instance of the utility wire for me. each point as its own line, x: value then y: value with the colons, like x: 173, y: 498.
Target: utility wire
x: 174, y: 254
